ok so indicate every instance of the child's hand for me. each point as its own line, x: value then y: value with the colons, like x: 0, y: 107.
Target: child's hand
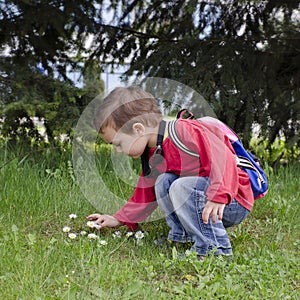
x: 104, y: 220
x: 214, y: 210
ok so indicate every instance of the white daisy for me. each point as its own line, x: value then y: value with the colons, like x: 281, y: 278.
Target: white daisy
x: 129, y: 233
x: 139, y: 235
x: 92, y: 236
x: 72, y: 216
x: 103, y: 242
x: 117, y: 234
x: 90, y: 224
x: 72, y: 236
x: 66, y: 229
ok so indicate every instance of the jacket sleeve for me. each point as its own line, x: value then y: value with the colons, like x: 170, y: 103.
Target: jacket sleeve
x: 217, y: 160
x: 140, y: 205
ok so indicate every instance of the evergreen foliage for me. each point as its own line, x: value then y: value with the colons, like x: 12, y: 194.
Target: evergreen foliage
x: 242, y: 56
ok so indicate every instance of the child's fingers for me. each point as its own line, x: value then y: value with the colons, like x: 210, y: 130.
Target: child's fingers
x: 93, y: 217
x: 213, y: 210
x: 220, y: 213
x: 214, y: 217
x: 205, y: 215
x: 103, y: 220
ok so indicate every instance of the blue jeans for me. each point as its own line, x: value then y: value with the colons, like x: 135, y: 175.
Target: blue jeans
x: 182, y: 199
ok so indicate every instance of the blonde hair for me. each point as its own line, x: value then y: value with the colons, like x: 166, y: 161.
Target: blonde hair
x: 125, y: 106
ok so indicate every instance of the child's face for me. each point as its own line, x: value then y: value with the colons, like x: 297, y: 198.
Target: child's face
x: 130, y: 144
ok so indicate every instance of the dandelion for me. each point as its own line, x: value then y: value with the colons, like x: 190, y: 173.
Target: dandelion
x: 72, y: 216
x: 117, y: 234
x: 129, y: 234
x: 139, y: 235
x: 66, y: 229
x: 72, y: 236
x: 92, y: 236
x: 83, y: 232
x: 103, y: 242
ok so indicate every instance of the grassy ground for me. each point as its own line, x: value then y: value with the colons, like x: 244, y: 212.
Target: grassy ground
x: 40, y: 261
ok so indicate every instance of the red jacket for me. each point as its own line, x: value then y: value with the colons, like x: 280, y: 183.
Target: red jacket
x: 217, y: 161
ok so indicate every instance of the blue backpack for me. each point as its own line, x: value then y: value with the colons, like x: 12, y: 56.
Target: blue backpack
x: 245, y: 160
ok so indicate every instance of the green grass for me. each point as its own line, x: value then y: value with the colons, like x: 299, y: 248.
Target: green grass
x: 39, y: 261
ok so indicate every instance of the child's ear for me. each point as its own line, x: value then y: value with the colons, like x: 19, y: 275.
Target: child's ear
x: 138, y: 128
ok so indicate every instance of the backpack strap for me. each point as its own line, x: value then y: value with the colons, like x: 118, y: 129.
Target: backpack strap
x: 244, y: 162
x: 158, y: 154
x: 185, y: 114
x: 176, y: 140
x: 145, y: 162
x: 160, y: 137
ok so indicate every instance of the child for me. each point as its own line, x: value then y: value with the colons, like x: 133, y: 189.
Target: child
x: 200, y: 196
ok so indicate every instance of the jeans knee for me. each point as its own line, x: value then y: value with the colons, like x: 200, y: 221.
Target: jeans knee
x: 178, y: 192
x: 189, y: 184
x: 185, y: 188
x: 176, y: 187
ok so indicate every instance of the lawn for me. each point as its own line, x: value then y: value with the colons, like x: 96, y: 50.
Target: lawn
x: 41, y: 261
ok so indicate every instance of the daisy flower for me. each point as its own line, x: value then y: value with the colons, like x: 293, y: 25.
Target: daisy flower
x: 139, y: 235
x: 117, y: 234
x: 72, y: 236
x: 92, y: 236
x: 83, y: 232
x: 72, y: 216
x: 90, y: 224
x: 129, y: 234
x: 66, y: 229
x: 103, y: 242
